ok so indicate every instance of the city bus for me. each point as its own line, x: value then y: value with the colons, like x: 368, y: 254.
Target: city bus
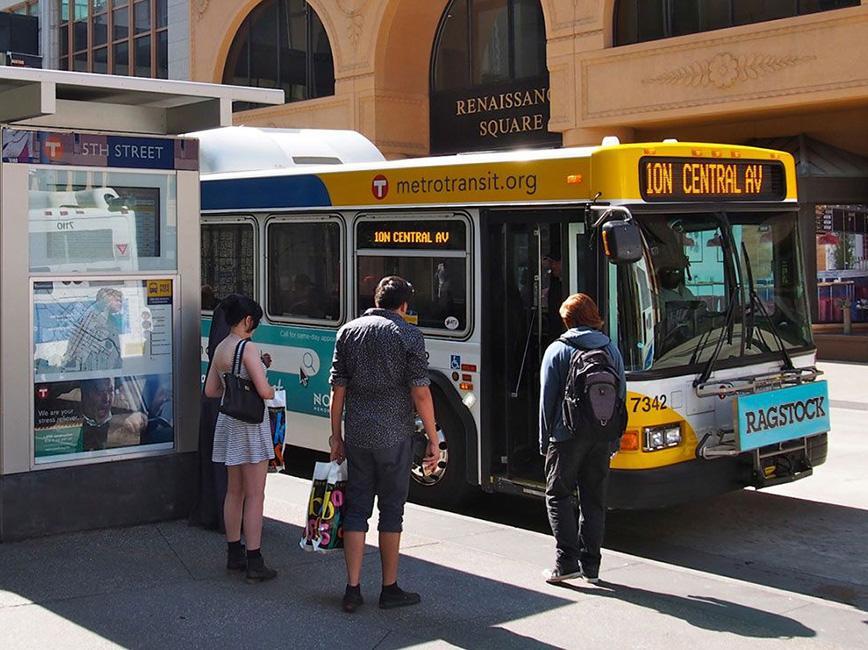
x: 691, y: 250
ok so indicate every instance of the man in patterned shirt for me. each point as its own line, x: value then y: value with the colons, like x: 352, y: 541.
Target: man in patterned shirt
x: 379, y: 372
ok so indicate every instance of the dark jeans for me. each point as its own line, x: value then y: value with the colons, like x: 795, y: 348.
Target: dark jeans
x: 381, y: 472
x: 578, y: 532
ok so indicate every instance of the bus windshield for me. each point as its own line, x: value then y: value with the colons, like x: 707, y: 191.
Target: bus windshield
x: 732, y: 280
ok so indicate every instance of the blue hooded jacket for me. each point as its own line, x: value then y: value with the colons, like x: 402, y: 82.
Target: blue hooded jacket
x: 553, y: 380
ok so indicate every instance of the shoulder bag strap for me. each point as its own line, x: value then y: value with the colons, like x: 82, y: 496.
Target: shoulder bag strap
x: 239, y: 355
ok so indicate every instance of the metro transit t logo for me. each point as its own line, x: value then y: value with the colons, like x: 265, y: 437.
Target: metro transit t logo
x: 380, y: 187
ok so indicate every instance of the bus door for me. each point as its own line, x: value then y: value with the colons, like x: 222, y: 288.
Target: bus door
x: 534, y: 260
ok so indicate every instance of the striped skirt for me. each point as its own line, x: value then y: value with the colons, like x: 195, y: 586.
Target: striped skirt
x: 237, y: 442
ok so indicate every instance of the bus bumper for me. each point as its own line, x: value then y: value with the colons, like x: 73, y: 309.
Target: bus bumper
x: 663, y: 487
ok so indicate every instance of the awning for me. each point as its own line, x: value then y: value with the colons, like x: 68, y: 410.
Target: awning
x: 75, y: 100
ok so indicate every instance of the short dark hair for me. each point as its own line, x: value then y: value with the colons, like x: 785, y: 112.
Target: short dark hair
x: 238, y: 307
x: 392, y: 292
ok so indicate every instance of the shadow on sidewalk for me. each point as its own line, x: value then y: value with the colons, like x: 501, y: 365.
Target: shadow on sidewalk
x: 779, y: 541
x: 165, y: 585
x: 704, y: 612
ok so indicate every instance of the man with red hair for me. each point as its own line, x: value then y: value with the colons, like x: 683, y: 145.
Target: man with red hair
x: 577, y: 459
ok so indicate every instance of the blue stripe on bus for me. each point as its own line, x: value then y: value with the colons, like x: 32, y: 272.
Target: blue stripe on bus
x: 260, y: 193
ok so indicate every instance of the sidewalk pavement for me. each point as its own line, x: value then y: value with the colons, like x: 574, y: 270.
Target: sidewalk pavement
x: 165, y: 586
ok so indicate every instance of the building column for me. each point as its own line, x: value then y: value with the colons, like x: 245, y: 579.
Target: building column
x: 179, y: 39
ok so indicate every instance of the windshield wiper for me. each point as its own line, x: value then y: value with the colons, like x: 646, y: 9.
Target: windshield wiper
x: 734, y: 298
x: 757, y: 304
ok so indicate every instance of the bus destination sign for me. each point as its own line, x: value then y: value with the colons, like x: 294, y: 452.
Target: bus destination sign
x: 679, y: 179
x: 440, y: 235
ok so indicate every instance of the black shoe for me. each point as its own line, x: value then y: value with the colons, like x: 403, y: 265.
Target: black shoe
x: 352, y: 599
x: 236, y: 560
x: 257, y: 571
x: 556, y: 575
x: 591, y: 575
x: 394, y: 597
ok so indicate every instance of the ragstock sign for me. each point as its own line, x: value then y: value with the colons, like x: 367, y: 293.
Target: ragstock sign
x: 493, y: 117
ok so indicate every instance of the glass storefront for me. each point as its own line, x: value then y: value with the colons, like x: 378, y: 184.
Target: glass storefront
x: 842, y: 262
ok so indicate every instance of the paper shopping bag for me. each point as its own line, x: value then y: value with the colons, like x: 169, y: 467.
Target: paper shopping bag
x: 277, y: 419
x: 323, y: 529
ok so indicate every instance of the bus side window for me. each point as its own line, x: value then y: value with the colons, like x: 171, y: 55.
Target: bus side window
x: 304, y: 270
x: 228, y: 261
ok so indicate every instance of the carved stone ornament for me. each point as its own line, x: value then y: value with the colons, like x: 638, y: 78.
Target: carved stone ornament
x: 353, y: 10
x: 724, y: 70
x: 201, y: 6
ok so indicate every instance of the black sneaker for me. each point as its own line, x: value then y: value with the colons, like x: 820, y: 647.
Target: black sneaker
x: 396, y: 597
x: 236, y: 561
x: 257, y: 571
x: 352, y: 599
x: 591, y: 575
x: 556, y: 575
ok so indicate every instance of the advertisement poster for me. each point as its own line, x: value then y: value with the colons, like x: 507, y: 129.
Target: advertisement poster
x: 102, y: 366
x: 91, y: 415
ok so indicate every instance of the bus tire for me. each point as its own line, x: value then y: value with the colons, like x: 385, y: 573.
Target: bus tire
x: 447, y: 486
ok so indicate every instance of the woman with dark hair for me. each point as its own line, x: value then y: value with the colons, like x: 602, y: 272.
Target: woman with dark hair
x: 244, y: 448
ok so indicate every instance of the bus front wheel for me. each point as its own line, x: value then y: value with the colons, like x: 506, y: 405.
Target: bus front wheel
x: 446, y: 484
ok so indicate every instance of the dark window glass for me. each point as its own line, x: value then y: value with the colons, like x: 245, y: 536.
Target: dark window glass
x: 121, y: 23
x: 529, y: 54
x: 228, y: 258
x: 64, y: 63
x: 142, y: 17
x: 80, y: 62
x: 100, y: 30
x: 322, y: 65
x: 282, y: 44
x: 685, y: 17
x: 489, y: 21
x: 646, y: 20
x: 163, y: 55
x: 162, y: 14
x: 754, y: 11
x: 489, y: 42
x: 237, y: 70
x: 304, y: 271
x: 100, y: 60
x: 439, y: 283
x: 143, y: 56
x: 64, y: 39
x: 650, y: 22
x: 450, y: 60
x: 99, y: 6
x: 122, y: 58
x: 79, y: 35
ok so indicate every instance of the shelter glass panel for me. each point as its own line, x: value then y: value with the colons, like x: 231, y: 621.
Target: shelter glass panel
x: 101, y: 221
x: 102, y: 368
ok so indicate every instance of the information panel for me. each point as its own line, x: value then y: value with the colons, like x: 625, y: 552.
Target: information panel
x: 102, y: 367
x: 680, y: 179
x: 431, y: 235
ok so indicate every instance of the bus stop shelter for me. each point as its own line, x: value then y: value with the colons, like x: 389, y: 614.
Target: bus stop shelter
x: 99, y: 296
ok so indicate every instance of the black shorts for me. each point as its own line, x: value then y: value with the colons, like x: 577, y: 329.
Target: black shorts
x: 384, y: 473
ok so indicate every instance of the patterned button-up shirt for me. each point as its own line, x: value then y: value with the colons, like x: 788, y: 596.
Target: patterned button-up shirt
x: 379, y: 357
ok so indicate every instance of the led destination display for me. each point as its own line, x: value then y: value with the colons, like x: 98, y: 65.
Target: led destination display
x: 662, y: 179
x: 439, y: 235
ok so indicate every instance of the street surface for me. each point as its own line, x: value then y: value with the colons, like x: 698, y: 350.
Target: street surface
x: 750, y: 569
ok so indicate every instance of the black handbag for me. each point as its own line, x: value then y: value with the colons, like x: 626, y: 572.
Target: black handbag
x: 240, y: 398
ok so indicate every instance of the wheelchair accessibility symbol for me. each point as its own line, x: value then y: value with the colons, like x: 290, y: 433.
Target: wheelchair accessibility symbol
x: 455, y: 362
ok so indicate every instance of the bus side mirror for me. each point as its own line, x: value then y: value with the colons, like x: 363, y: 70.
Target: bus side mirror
x: 622, y: 241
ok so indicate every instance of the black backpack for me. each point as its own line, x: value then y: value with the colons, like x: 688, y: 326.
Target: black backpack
x: 593, y: 408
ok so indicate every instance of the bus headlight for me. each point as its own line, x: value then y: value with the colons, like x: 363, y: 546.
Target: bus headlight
x: 661, y: 437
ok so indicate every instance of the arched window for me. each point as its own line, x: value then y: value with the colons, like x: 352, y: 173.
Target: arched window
x: 488, y: 69
x: 649, y: 20
x: 282, y: 44
x: 485, y: 42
